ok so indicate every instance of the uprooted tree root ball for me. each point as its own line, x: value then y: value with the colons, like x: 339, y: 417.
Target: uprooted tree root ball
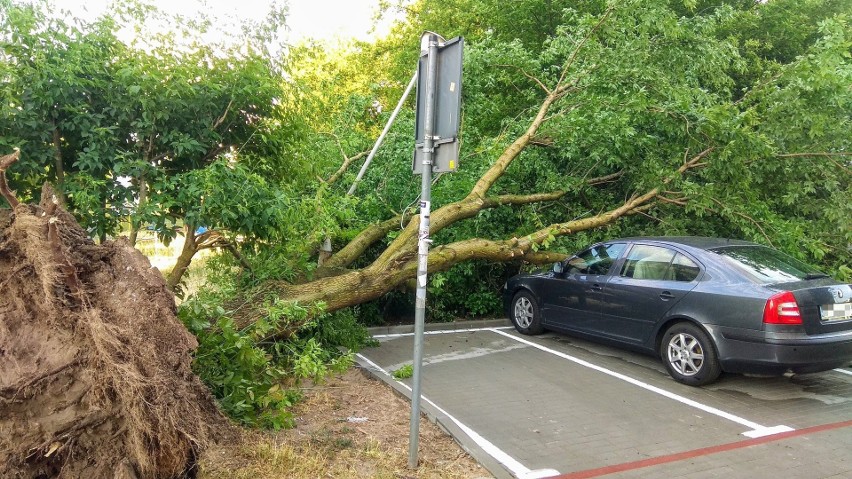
x: 95, y: 377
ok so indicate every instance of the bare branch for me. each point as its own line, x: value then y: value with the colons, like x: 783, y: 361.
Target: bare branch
x: 674, y: 201
x: 528, y: 75
x: 360, y: 243
x: 605, y: 179
x: 543, y: 257
x: 747, y: 217
x: 224, y: 115
x: 346, y: 160
x: 827, y: 154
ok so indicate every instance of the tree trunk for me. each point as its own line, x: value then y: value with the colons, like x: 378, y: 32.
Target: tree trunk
x: 190, y: 247
x: 59, y: 166
x: 143, y: 198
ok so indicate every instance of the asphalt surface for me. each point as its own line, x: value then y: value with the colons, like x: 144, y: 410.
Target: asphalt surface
x: 558, y: 406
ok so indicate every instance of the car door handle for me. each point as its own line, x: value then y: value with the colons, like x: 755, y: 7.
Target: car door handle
x: 596, y: 287
x: 665, y: 296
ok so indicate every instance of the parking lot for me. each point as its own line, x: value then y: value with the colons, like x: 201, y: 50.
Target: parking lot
x: 558, y: 406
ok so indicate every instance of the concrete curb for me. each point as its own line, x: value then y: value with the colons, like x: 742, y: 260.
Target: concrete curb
x: 456, y: 325
x: 432, y: 414
x: 436, y: 417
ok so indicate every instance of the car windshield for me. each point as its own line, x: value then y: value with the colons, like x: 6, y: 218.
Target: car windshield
x: 766, y: 264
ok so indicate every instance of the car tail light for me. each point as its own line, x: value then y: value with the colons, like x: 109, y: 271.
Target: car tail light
x: 782, y: 309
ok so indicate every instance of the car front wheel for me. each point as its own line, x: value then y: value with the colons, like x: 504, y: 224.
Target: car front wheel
x: 525, y: 315
x: 689, y: 355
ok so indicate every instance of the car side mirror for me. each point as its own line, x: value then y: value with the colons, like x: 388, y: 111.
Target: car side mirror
x: 557, y: 268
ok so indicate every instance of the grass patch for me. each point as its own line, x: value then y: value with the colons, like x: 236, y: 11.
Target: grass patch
x: 403, y: 372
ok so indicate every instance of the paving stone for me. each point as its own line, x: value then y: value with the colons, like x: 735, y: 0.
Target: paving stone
x: 547, y: 412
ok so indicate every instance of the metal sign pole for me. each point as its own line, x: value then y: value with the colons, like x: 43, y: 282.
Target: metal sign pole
x: 382, y: 136
x: 423, y: 246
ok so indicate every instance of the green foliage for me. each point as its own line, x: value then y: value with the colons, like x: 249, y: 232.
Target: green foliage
x: 764, y: 86
x: 404, y: 372
x: 255, y: 371
x: 241, y: 373
x: 758, y: 82
x: 470, y: 289
x: 113, y: 125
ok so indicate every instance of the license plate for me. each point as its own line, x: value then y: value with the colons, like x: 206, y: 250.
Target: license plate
x: 836, y: 312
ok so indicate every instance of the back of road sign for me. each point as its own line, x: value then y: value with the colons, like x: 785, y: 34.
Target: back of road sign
x: 447, y: 108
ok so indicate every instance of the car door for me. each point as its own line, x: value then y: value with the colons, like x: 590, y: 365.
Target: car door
x: 573, y: 296
x: 650, y: 281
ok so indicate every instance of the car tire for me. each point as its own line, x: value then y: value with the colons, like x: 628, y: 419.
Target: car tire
x: 525, y: 315
x: 690, y: 355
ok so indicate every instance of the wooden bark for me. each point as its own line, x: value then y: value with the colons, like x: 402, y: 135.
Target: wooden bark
x: 143, y: 198
x: 59, y: 166
x: 190, y: 247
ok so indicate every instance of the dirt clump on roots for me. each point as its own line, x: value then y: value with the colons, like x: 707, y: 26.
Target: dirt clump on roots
x: 95, y: 377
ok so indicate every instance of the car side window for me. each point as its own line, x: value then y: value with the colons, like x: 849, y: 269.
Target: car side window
x: 684, y: 268
x: 595, y: 260
x: 658, y: 263
x: 648, y: 262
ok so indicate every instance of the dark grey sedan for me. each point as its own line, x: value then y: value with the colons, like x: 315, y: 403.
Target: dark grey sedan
x: 704, y: 305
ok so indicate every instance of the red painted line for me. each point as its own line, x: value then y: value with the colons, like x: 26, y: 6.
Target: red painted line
x: 654, y: 461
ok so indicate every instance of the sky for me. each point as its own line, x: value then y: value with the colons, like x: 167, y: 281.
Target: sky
x: 327, y: 20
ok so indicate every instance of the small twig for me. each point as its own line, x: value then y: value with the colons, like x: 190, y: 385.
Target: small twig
x: 747, y: 217
x: 576, y: 51
x: 531, y: 77
x: 674, y: 201
x: 823, y: 153
x: 346, y: 159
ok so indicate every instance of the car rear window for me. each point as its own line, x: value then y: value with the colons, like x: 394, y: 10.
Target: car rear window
x: 766, y: 265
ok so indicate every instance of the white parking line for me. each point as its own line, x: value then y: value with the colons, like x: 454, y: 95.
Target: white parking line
x: 448, y: 331
x: 516, y: 468
x: 844, y: 371
x: 757, y: 430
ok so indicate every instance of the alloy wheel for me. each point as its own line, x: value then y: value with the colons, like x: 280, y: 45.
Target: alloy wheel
x: 523, y: 312
x: 685, y: 354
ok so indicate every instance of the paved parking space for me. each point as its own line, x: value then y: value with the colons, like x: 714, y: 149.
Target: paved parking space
x: 553, y: 404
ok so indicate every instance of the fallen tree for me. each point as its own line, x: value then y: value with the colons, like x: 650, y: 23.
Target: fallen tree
x: 684, y: 146
x: 338, y: 288
x: 95, y: 376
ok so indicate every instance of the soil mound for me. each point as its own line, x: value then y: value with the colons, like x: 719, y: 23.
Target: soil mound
x: 95, y: 378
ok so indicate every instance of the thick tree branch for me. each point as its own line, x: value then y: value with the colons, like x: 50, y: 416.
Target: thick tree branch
x: 374, y: 233
x: 357, y: 286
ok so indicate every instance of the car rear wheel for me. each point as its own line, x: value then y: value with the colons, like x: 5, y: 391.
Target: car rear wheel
x: 525, y: 315
x: 689, y: 355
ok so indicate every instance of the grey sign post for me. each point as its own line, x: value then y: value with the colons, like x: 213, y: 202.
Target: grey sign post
x: 436, y: 149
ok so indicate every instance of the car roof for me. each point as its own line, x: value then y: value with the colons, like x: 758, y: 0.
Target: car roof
x: 700, y: 242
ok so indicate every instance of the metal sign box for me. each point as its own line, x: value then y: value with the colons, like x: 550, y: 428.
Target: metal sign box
x: 447, y: 108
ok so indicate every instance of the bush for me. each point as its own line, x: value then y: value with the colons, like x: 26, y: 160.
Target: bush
x: 255, y: 371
